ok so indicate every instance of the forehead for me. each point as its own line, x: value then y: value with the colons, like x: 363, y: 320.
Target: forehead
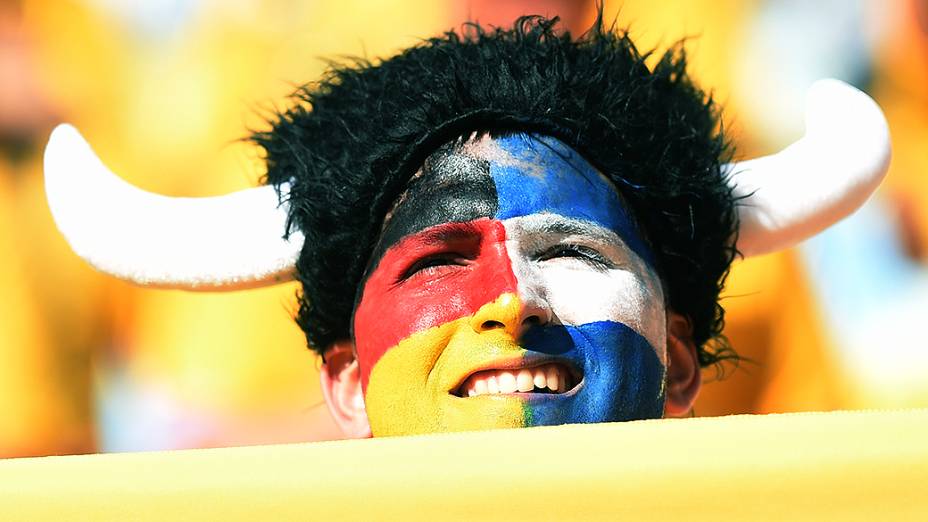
x: 507, y: 177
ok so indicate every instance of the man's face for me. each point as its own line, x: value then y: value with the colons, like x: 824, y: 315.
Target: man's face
x: 511, y: 288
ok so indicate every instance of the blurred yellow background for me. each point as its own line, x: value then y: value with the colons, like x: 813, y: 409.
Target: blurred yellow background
x: 165, y: 90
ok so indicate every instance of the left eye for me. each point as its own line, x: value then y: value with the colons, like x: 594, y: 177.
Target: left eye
x: 579, y: 252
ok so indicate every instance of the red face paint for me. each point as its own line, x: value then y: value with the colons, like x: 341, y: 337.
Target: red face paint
x: 440, y: 274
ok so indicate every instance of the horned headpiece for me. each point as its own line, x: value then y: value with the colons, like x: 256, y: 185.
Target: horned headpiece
x: 239, y: 241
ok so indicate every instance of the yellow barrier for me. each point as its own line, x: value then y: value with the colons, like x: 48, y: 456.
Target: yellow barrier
x: 816, y: 466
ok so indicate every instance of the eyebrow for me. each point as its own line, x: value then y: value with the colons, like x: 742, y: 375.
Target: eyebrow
x: 447, y: 232
x: 566, y: 227
x: 559, y: 225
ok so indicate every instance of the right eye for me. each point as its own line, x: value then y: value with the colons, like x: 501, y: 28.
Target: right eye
x: 434, y: 265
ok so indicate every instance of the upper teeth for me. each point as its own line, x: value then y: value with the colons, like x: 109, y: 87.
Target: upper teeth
x: 551, y: 378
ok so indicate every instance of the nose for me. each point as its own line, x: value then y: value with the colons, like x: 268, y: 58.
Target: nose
x: 511, y: 313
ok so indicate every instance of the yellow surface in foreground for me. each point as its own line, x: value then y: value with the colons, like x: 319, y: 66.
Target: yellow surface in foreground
x: 829, y: 466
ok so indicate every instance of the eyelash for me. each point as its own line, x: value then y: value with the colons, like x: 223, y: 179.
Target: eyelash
x: 581, y: 252
x: 433, y: 261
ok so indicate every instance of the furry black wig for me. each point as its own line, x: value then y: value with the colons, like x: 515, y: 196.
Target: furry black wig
x: 350, y: 143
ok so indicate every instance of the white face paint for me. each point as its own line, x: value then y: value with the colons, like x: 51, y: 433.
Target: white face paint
x: 584, y: 273
x: 511, y: 265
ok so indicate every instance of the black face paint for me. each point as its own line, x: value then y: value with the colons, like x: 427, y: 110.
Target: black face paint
x: 453, y: 187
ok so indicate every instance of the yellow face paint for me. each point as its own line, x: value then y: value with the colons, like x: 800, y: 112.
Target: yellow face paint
x: 509, y: 289
x: 411, y: 387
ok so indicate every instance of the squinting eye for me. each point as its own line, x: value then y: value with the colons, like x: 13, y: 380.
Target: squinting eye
x: 433, y: 265
x: 580, y: 252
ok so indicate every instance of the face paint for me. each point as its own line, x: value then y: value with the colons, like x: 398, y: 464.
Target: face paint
x: 534, y: 175
x: 509, y: 264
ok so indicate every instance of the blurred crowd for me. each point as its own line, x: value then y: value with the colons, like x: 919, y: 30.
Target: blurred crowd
x: 166, y: 90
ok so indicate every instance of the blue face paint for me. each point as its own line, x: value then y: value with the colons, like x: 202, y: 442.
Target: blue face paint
x: 623, y: 377
x: 556, y: 220
x: 559, y: 181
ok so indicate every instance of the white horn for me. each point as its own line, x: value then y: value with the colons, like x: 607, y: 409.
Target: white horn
x: 214, y: 243
x: 818, y: 180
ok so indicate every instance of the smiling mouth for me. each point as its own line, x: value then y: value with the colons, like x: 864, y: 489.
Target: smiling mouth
x: 550, y: 378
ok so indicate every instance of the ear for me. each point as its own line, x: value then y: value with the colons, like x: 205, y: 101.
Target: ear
x: 683, y: 376
x: 341, y: 386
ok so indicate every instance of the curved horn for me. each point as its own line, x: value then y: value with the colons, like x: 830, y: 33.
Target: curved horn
x: 818, y: 180
x: 213, y: 243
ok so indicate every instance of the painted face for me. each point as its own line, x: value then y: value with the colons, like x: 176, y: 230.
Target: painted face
x: 510, y: 288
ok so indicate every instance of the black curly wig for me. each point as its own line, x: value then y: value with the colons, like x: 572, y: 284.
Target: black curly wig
x: 350, y: 143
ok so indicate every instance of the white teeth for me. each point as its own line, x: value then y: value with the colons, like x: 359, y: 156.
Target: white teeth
x: 507, y: 383
x: 545, y: 378
x: 551, y: 377
x: 525, y: 382
x: 492, y: 386
x: 480, y: 386
x: 540, y: 381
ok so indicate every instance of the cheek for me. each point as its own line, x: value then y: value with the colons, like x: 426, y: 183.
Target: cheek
x: 579, y: 296
x: 390, y: 312
x: 396, y: 398
x: 615, y: 322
